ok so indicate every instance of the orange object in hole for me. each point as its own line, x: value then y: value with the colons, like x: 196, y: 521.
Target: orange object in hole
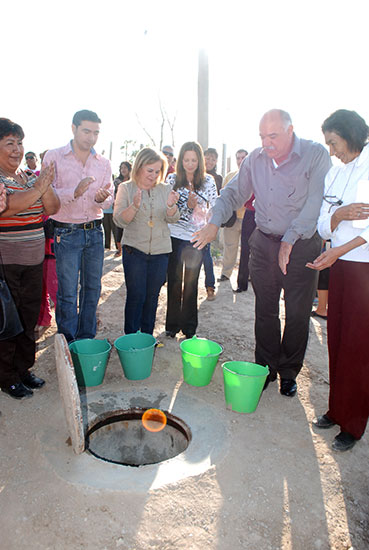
x: 154, y: 420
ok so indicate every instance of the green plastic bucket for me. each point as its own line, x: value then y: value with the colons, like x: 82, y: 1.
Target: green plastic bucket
x: 243, y: 385
x: 199, y: 359
x: 90, y: 358
x: 136, y: 354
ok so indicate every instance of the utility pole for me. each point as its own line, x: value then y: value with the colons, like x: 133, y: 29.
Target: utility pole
x: 203, y: 100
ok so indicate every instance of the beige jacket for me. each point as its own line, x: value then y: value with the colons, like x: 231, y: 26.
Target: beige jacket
x: 148, y: 231
x: 227, y: 179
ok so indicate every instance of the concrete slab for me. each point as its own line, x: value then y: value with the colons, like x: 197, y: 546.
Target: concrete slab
x: 209, y: 444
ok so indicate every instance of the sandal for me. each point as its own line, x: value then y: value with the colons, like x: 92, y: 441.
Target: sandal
x: 315, y: 314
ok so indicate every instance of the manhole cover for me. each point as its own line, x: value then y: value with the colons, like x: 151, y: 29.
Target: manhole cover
x: 123, y: 438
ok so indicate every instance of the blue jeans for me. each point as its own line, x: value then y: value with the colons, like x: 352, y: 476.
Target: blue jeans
x: 209, y: 269
x: 79, y: 258
x: 145, y: 275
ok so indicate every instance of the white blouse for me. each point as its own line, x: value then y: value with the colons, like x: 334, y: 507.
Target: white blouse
x: 341, y: 184
x: 192, y: 220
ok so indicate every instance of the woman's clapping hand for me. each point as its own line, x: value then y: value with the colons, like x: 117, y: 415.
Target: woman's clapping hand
x: 137, y: 198
x: 45, y: 179
x: 192, y: 200
x: 173, y: 198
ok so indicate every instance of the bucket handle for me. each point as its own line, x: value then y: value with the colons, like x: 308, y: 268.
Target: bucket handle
x: 247, y: 375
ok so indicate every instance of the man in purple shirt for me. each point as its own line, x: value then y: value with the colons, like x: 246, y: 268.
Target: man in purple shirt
x: 286, y: 176
x: 84, y: 185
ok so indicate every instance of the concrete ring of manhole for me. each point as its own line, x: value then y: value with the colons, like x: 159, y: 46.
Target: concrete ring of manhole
x: 137, y: 437
x: 209, y: 442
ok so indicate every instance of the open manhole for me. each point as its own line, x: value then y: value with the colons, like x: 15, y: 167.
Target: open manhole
x: 121, y: 437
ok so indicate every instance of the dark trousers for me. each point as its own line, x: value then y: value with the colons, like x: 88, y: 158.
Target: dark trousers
x: 209, y: 268
x: 144, y: 275
x: 183, y: 275
x: 248, y: 226
x: 17, y: 354
x: 109, y: 229
x: 283, y: 355
x: 348, y: 322
x: 118, y: 234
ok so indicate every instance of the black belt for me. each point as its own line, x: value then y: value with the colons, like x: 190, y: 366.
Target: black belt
x: 87, y: 225
x: 272, y: 237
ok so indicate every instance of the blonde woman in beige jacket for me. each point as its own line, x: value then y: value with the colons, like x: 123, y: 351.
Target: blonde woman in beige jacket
x: 144, y: 207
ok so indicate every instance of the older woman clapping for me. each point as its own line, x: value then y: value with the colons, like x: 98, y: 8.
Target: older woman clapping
x: 143, y: 207
x: 344, y: 218
x: 22, y: 246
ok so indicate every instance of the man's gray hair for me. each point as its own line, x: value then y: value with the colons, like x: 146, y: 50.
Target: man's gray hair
x: 284, y: 116
x: 287, y: 121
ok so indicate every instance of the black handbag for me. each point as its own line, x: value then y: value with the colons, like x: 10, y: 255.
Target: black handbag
x: 231, y: 221
x: 10, y: 324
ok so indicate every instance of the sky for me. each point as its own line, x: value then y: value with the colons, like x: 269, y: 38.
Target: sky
x: 124, y: 59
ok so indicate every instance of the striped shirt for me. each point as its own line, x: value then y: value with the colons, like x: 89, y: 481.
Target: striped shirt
x: 22, y: 238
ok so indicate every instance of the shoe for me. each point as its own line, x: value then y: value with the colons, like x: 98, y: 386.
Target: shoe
x: 238, y: 289
x: 222, y: 278
x: 18, y: 391
x: 315, y: 314
x: 288, y: 387
x: 344, y: 441
x: 170, y: 333
x: 323, y: 422
x: 32, y: 381
x: 211, y: 293
x: 117, y: 254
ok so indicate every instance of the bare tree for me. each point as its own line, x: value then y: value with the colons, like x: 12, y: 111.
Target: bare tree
x: 162, y: 124
x: 171, y: 124
x: 146, y: 132
x: 164, y: 119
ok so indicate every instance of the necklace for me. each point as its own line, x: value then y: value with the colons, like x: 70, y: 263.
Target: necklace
x: 332, y: 199
x: 150, y: 223
x: 7, y: 174
x: 20, y: 177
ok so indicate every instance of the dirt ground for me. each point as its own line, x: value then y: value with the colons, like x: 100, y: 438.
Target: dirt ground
x: 277, y: 486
